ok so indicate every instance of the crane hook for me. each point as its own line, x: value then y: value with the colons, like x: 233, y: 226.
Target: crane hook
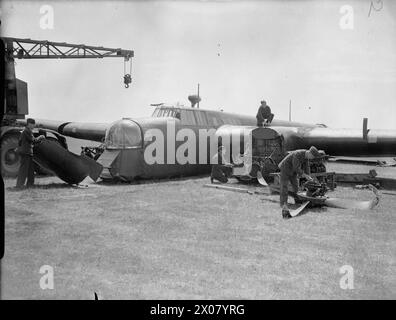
x: 127, y: 80
x: 127, y: 76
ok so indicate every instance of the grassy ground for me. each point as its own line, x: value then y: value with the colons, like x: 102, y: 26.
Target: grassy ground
x: 178, y: 240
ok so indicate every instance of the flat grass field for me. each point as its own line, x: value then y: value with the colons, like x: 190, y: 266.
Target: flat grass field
x: 176, y: 239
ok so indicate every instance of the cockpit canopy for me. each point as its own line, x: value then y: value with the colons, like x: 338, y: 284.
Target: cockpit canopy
x: 123, y: 134
x: 166, y: 112
x: 198, y: 117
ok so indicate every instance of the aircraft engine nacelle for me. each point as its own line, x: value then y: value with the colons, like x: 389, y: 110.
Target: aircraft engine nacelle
x: 252, y: 148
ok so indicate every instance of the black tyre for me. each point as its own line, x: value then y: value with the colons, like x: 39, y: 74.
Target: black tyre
x: 10, y: 160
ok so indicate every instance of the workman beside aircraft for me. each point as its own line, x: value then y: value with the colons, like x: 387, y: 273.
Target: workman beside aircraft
x: 264, y: 115
x: 294, y: 165
x: 219, y: 166
x: 25, y: 151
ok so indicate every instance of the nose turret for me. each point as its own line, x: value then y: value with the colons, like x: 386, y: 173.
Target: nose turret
x: 123, y: 134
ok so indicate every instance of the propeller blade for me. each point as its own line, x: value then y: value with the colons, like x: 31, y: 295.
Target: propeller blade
x: 354, y: 204
x: 261, y: 179
x: 297, y: 211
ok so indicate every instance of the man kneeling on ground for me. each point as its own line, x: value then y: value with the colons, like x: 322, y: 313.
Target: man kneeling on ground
x: 220, y: 167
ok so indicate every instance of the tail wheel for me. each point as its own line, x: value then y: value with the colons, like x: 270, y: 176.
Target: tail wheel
x: 10, y: 160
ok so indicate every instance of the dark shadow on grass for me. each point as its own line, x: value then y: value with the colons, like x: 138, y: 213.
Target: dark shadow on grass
x: 42, y: 187
x: 53, y: 185
x: 312, y: 210
x: 271, y: 200
x: 151, y: 181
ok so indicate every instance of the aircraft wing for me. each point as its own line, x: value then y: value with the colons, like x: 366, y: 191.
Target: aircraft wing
x: 348, y: 142
x: 79, y: 130
x: 335, y: 142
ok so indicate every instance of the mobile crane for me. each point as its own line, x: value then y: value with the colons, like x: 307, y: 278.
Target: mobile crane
x: 15, y: 90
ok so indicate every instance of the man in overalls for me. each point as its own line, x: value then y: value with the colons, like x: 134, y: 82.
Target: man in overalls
x: 264, y: 115
x: 294, y: 165
x: 25, y: 151
x: 219, y: 166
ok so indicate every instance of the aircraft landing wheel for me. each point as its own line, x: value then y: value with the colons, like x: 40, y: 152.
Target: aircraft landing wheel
x: 10, y: 160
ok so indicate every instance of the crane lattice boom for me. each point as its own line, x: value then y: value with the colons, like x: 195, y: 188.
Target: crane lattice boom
x: 42, y: 49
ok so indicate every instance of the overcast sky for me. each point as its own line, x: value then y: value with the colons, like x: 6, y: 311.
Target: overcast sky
x: 240, y: 52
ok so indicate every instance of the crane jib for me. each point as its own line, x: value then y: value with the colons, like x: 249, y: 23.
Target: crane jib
x: 17, y: 48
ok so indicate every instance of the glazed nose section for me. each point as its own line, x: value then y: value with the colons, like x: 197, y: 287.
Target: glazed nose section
x: 123, y: 134
x: 123, y: 140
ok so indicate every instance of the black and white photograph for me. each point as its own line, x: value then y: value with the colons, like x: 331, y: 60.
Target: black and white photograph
x: 198, y: 150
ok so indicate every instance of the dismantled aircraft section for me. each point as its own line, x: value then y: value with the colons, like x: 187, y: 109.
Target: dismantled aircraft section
x: 68, y: 166
x: 125, y: 142
x: 311, y: 194
x: 254, y: 153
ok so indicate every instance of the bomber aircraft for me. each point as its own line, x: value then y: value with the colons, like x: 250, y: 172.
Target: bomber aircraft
x: 131, y: 147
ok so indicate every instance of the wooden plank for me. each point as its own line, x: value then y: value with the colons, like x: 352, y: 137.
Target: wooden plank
x: 357, y: 160
x: 223, y: 187
x: 385, y: 183
x: 352, y: 177
x: 234, y: 189
x: 366, y: 178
